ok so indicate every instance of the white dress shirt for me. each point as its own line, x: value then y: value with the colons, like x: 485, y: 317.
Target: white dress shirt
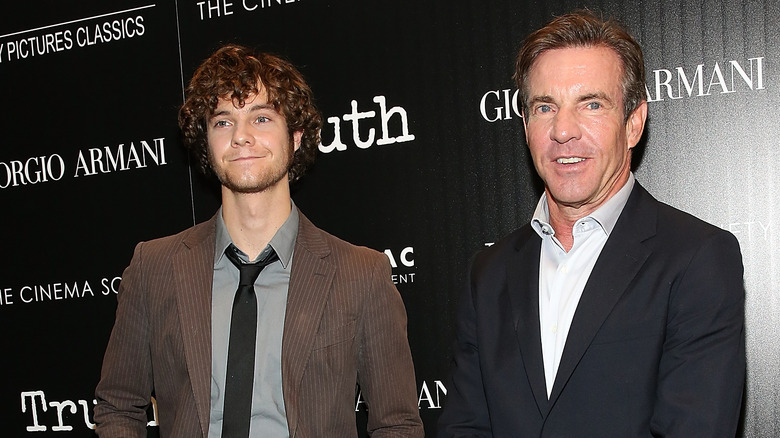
x: 563, y: 275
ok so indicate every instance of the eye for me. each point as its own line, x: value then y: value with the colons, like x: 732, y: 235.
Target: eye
x: 221, y: 123
x: 543, y: 109
x: 594, y: 105
x: 262, y: 119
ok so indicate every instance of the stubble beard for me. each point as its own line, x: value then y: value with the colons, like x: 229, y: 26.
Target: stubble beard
x: 260, y: 183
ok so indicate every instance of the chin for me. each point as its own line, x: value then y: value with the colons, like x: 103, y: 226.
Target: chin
x: 568, y: 197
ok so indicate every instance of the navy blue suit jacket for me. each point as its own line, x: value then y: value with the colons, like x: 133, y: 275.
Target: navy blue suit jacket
x: 656, y: 346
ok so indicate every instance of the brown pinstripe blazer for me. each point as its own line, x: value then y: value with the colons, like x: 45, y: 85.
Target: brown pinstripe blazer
x: 345, y: 323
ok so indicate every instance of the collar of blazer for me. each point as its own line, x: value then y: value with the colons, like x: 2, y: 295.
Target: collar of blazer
x: 620, y: 260
x: 310, y: 284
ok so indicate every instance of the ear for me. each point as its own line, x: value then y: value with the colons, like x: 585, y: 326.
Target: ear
x: 297, y: 135
x: 635, y: 125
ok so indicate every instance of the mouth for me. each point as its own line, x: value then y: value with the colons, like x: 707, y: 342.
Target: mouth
x: 569, y: 160
x: 247, y: 158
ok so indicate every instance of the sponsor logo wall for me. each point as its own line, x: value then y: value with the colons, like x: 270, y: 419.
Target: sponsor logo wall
x: 422, y: 158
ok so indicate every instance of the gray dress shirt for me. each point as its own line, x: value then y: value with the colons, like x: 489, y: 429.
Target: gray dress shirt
x: 268, y: 412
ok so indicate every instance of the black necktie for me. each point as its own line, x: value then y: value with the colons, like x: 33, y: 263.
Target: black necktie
x: 241, y: 348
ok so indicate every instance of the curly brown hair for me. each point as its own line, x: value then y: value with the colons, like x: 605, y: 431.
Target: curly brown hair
x: 583, y: 28
x: 234, y: 72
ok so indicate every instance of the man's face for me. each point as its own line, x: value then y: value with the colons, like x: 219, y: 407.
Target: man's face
x: 575, y: 127
x: 249, y: 147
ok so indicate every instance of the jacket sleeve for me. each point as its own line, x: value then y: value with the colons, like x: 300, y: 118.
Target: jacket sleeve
x: 125, y: 388
x: 465, y: 413
x: 385, y: 368
x: 702, y: 368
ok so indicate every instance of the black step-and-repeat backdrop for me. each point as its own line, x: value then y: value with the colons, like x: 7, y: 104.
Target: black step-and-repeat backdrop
x: 422, y: 157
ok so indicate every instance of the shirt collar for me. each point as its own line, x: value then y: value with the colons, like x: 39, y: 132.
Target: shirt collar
x: 283, y: 241
x: 606, y: 215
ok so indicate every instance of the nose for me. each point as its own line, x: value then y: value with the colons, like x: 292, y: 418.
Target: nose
x: 242, y: 135
x: 565, y: 126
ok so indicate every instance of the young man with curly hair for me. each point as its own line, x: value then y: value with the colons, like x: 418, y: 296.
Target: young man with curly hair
x: 324, y: 314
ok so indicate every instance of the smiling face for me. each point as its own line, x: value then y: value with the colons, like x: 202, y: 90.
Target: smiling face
x: 575, y: 128
x: 250, y: 148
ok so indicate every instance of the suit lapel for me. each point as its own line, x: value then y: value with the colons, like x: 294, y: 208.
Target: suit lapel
x: 523, y: 286
x: 193, y: 270
x: 310, y: 286
x: 620, y: 260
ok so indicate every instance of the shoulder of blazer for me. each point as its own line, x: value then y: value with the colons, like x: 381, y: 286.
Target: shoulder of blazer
x: 329, y: 247
x: 505, y: 247
x: 668, y: 223
x: 191, y: 238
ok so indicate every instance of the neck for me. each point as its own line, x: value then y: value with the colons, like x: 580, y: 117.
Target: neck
x: 563, y: 227
x: 252, y: 219
x: 564, y: 216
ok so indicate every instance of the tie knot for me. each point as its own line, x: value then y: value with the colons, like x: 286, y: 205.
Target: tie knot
x: 249, y: 271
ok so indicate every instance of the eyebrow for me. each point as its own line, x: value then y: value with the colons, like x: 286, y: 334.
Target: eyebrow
x: 597, y: 95
x: 220, y: 113
x: 542, y: 99
x: 255, y: 107
x: 261, y: 106
x: 585, y: 97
